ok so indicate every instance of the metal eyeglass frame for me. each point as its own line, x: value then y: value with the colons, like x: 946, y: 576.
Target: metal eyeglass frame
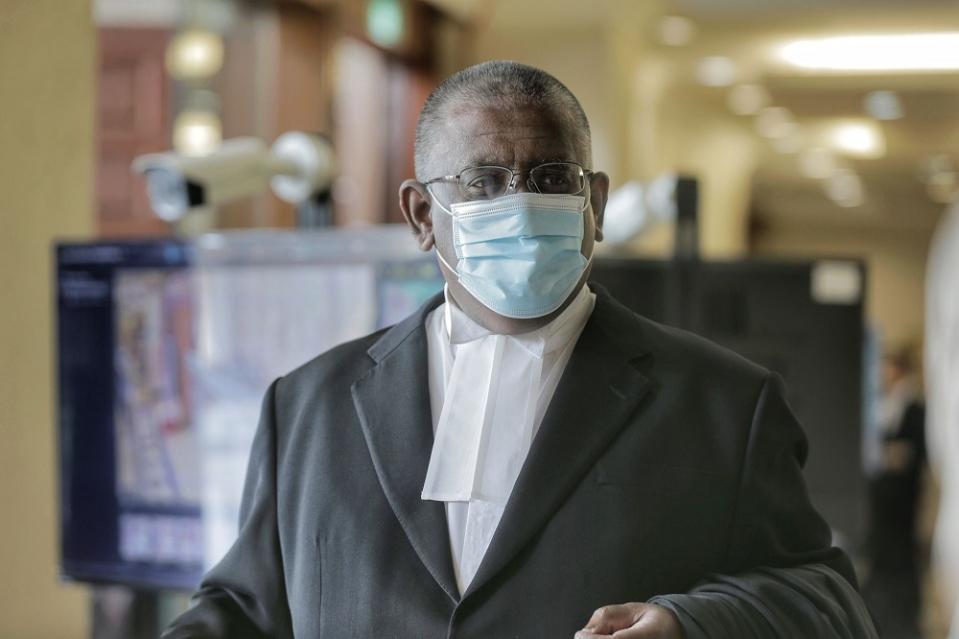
x: 511, y: 187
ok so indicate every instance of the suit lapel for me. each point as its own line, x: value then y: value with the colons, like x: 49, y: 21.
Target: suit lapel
x: 393, y: 405
x: 599, y: 391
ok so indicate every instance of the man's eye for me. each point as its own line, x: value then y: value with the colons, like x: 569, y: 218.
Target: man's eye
x: 554, y: 179
x: 481, y: 184
x: 478, y: 183
x: 554, y: 182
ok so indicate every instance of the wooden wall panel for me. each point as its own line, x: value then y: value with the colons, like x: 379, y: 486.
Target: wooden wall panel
x: 132, y: 118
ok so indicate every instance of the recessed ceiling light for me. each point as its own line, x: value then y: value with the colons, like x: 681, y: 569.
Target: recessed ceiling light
x: 747, y: 99
x: 776, y: 122
x: 863, y: 139
x: 936, y: 163
x: 789, y: 144
x: 818, y: 163
x: 883, y: 105
x: 876, y: 53
x: 716, y: 71
x: 196, y: 133
x: 845, y: 189
x: 676, y: 31
x: 945, y: 190
x: 194, y: 54
x: 941, y: 177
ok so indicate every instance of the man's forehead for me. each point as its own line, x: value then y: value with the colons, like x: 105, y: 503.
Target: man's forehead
x: 514, y: 117
x: 474, y: 136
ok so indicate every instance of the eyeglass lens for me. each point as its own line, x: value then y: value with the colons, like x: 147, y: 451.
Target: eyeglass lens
x: 488, y: 182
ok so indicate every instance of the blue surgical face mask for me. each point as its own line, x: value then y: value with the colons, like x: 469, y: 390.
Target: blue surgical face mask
x: 519, y: 254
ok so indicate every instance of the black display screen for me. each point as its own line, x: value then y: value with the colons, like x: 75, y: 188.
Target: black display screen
x: 129, y: 478
x: 768, y: 312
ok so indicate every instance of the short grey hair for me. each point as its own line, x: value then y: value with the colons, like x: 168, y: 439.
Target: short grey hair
x: 501, y: 84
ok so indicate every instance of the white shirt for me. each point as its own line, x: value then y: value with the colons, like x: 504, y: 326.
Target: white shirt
x: 498, y: 397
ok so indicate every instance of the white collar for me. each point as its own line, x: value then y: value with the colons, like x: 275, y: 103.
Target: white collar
x: 460, y: 328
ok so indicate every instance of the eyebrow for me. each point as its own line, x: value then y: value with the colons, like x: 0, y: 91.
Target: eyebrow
x: 487, y: 161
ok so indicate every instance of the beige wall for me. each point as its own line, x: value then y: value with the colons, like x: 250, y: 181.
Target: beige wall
x: 721, y: 154
x: 47, y: 56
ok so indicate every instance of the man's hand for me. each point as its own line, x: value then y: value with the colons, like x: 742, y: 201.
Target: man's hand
x: 632, y: 621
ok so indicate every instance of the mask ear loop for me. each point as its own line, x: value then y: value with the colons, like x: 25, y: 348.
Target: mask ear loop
x: 587, y: 201
x: 436, y: 201
x: 445, y: 263
x: 587, y: 193
x: 436, y: 249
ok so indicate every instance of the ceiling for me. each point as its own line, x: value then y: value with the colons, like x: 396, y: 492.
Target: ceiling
x: 895, y: 197
x: 746, y: 32
x: 572, y: 13
x: 741, y: 8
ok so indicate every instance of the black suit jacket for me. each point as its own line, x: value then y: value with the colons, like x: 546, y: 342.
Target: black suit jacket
x: 665, y: 468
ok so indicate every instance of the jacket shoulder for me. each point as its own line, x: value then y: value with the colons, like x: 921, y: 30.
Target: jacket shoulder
x: 701, y: 354
x: 327, y: 378
x: 680, y: 352
x: 342, y: 364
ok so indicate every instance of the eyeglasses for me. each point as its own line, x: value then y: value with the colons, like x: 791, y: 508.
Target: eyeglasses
x: 489, y: 182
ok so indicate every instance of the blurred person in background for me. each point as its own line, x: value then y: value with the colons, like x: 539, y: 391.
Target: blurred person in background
x: 892, y: 588
x: 942, y: 386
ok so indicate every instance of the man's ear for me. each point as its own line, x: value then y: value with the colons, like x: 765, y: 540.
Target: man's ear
x: 415, y: 205
x: 598, y: 195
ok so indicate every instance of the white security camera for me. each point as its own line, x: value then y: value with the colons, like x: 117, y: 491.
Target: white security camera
x: 298, y: 166
x: 636, y: 207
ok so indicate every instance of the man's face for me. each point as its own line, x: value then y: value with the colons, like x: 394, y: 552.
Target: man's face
x: 520, y: 139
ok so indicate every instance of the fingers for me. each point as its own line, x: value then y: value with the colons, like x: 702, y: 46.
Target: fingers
x: 631, y: 621
x: 654, y: 624
x: 609, y: 619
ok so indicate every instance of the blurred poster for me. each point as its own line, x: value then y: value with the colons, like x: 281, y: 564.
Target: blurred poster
x: 157, y: 458
x: 156, y: 447
x: 254, y: 324
x: 403, y: 287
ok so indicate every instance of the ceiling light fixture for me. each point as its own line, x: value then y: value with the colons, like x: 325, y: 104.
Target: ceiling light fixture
x: 845, y: 189
x: 789, y: 144
x: 818, y: 163
x: 776, y: 122
x: 716, y: 71
x: 747, y: 99
x: 197, y: 133
x: 876, y: 53
x: 194, y: 54
x: 676, y: 31
x: 883, y: 105
x: 862, y: 139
